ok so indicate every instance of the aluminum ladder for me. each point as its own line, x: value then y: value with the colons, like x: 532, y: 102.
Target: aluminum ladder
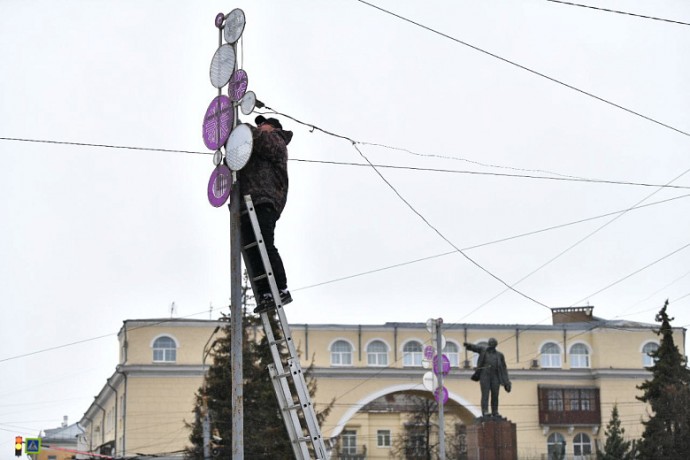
x: 286, y: 368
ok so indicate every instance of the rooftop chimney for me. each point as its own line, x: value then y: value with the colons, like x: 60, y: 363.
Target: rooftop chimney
x: 572, y: 315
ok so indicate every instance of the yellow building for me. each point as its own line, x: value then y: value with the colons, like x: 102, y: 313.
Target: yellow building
x: 566, y: 377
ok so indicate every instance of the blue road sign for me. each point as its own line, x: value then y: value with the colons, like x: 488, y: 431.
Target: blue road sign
x: 33, y: 445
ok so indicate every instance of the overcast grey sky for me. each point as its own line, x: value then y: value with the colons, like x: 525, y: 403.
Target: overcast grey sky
x: 92, y: 236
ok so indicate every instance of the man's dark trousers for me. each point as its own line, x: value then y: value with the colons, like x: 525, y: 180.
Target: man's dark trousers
x: 267, y: 217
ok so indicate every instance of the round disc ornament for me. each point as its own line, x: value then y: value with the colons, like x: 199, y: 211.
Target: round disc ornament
x: 443, y: 367
x: 222, y: 65
x: 248, y: 102
x: 217, y: 157
x: 429, y: 352
x: 238, y: 85
x: 220, y: 17
x: 219, y: 186
x: 429, y: 381
x: 442, y: 395
x: 234, y: 25
x: 217, y: 122
x: 238, y: 148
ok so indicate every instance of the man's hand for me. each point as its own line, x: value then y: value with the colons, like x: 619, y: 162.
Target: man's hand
x: 508, y: 387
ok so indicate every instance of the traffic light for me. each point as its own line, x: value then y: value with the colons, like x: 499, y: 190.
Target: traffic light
x: 18, y: 442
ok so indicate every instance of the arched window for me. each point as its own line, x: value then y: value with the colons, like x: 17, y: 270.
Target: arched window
x: 412, y: 354
x: 164, y: 350
x: 582, y: 447
x: 579, y: 356
x: 555, y: 446
x: 475, y: 356
x: 451, y: 350
x: 377, y: 354
x: 649, y: 347
x: 341, y: 353
x: 550, y: 355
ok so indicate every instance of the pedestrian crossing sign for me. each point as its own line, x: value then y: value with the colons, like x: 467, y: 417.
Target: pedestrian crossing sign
x: 33, y: 445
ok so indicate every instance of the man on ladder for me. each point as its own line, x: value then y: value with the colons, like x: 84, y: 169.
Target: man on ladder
x: 265, y: 179
x: 264, y: 185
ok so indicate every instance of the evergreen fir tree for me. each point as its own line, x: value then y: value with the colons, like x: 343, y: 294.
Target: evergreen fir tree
x: 265, y: 435
x: 616, y: 447
x: 667, y: 432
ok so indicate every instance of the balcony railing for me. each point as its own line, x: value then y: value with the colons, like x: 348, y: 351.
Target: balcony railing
x: 569, y: 406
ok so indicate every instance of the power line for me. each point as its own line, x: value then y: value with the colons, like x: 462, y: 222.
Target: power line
x: 633, y: 273
x: 107, y: 146
x: 444, y: 238
x: 501, y: 240
x: 482, y: 173
x: 532, y: 71
x: 57, y: 347
x: 562, y: 177
x: 619, y: 12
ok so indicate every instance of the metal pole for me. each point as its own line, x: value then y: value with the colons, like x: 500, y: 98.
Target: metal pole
x: 236, y: 324
x: 439, y: 369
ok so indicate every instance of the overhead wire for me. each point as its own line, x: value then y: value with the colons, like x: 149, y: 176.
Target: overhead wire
x: 483, y: 173
x: 508, y: 286
x: 501, y: 240
x: 561, y: 177
x: 443, y: 237
x: 532, y: 71
x: 619, y: 12
x: 633, y: 273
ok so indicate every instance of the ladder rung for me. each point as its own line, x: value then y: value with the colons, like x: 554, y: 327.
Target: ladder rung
x: 294, y: 407
x: 283, y: 375
x: 276, y: 342
x: 250, y: 245
x: 260, y: 277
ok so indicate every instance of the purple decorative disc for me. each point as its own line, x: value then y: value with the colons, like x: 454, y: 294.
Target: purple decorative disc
x: 220, y: 17
x: 429, y: 352
x: 444, y: 367
x: 445, y: 395
x: 219, y: 186
x: 217, y: 122
x: 238, y: 85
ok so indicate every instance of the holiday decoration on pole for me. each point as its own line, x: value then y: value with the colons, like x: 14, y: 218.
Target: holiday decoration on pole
x: 231, y: 141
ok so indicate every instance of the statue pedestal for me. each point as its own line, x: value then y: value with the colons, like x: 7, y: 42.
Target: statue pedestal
x: 492, y: 438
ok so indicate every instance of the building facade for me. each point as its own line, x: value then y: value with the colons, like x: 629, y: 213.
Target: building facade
x: 565, y: 377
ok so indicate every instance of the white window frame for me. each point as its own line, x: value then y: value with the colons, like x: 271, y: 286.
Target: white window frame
x: 164, y: 354
x: 554, y: 439
x: 348, y: 443
x: 582, y: 443
x: 453, y: 356
x: 580, y: 360
x: 550, y: 360
x: 648, y: 361
x: 377, y: 358
x: 383, y: 438
x: 341, y: 358
x: 412, y: 358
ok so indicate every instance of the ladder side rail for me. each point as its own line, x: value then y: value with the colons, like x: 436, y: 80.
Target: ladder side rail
x: 293, y: 361
x: 275, y: 353
x: 262, y: 250
x: 307, y: 408
x: 290, y: 417
x: 301, y: 387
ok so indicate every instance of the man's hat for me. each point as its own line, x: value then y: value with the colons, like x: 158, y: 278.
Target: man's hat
x: 271, y: 121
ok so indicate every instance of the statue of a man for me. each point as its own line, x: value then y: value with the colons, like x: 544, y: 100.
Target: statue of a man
x: 492, y: 373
